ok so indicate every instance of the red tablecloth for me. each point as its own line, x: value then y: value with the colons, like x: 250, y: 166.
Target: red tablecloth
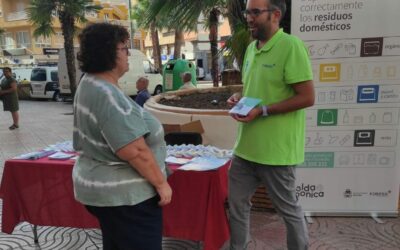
x: 197, y: 211
x: 40, y: 192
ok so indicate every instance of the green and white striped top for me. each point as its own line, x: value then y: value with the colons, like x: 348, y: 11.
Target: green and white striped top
x: 106, y: 120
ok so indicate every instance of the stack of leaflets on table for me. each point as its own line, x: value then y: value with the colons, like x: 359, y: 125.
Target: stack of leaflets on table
x: 61, y: 156
x: 204, y: 163
x: 190, y: 151
x: 244, y: 106
x: 65, y: 146
x: 176, y: 160
x: 35, y: 155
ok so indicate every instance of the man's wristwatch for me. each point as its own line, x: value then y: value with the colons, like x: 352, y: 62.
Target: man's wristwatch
x: 264, y: 110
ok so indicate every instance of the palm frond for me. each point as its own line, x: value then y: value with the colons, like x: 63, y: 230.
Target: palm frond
x: 79, y: 8
x: 40, y: 15
x: 43, y: 29
x: 235, y: 46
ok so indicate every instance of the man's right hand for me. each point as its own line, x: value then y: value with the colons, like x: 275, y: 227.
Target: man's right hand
x: 234, y: 99
x: 165, y: 193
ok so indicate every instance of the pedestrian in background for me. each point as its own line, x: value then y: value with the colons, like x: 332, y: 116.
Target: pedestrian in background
x: 187, y: 81
x: 143, y: 93
x: 270, y: 140
x: 120, y: 173
x: 9, y: 96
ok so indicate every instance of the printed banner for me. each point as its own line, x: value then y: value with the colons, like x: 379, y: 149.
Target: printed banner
x: 352, y: 143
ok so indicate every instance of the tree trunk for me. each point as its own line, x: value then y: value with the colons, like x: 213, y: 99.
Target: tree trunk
x: 179, y: 41
x: 156, y: 47
x: 213, y: 21
x: 68, y: 28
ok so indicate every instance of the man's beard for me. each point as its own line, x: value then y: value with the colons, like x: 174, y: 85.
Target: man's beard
x: 259, y: 33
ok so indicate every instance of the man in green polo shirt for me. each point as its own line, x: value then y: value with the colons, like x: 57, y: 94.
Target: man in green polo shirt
x: 270, y: 142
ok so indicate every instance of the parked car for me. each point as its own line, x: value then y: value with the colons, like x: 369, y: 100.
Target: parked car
x: 44, y: 83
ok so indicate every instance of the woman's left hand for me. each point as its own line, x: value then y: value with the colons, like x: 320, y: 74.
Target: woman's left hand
x: 165, y: 193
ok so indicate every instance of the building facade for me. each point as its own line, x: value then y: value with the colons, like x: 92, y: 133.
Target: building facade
x: 19, y: 46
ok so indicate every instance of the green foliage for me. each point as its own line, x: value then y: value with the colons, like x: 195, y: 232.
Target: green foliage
x: 236, y: 45
x: 41, y: 13
x: 138, y: 12
x: 184, y: 14
x: 148, y: 12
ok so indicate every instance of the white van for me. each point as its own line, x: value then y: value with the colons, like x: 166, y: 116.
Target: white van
x: 22, y: 75
x: 139, y: 66
x: 44, y: 83
x: 63, y: 78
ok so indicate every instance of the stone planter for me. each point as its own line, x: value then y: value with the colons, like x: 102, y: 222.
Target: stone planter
x: 220, y: 128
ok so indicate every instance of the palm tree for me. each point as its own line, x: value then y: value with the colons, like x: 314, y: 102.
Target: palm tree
x: 179, y: 41
x: 156, y: 46
x: 1, y: 32
x: 138, y: 12
x: 240, y: 38
x: 41, y: 14
x: 213, y: 17
x: 185, y: 14
x: 154, y: 15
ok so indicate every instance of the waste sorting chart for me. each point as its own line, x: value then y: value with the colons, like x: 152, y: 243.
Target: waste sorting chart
x: 352, y: 164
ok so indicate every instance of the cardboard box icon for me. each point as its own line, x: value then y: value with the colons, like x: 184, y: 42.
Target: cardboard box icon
x: 194, y: 126
x: 329, y: 72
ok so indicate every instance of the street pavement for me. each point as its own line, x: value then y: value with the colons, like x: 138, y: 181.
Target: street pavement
x: 41, y: 123
x: 45, y: 122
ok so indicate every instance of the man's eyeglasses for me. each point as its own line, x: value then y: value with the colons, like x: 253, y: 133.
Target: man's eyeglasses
x: 124, y: 48
x: 255, y: 12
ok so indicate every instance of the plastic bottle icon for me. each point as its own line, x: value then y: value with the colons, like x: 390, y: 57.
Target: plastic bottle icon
x: 321, y: 97
x: 318, y: 139
x: 332, y: 96
x: 362, y: 72
x: 391, y: 71
x: 346, y: 117
x: 372, y: 118
x: 350, y: 72
x: 377, y: 72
